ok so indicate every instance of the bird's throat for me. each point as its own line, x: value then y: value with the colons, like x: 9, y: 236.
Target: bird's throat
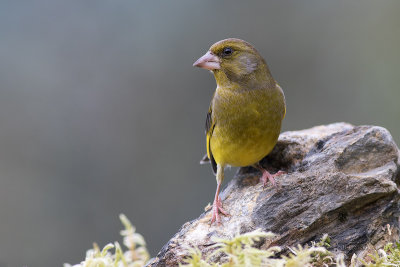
x: 260, y: 79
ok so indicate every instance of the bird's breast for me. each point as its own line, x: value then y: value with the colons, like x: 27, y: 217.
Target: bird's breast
x: 247, y: 125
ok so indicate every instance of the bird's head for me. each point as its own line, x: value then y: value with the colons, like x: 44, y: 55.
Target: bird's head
x: 234, y: 60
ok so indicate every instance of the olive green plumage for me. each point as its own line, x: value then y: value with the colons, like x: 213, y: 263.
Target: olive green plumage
x: 247, y: 109
x: 246, y: 112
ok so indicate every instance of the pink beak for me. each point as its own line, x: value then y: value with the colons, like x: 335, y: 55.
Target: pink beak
x: 209, y: 62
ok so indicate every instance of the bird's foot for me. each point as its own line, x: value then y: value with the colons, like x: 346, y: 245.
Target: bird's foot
x: 216, y: 209
x: 266, y: 176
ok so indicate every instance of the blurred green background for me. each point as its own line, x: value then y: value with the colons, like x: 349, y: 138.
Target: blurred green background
x: 101, y: 111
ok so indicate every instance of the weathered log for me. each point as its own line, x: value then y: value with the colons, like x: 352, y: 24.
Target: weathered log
x: 341, y: 180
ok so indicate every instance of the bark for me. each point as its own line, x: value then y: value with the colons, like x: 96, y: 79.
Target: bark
x: 341, y: 180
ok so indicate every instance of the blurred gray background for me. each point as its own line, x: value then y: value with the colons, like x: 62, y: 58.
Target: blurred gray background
x: 101, y: 111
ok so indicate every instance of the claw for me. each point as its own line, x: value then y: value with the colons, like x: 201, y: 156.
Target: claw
x: 266, y: 176
x: 216, y: 209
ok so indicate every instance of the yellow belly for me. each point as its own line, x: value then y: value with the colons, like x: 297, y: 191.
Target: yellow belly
x: 253, y: 145
x: 246, y: 127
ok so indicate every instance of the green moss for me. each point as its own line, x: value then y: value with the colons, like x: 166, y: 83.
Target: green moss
x: 388, y: 256
x: 236, y: 252
x: 239, y: 251
x: 135, y: 255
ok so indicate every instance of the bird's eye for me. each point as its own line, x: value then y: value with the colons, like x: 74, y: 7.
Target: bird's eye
x: 227, y: 51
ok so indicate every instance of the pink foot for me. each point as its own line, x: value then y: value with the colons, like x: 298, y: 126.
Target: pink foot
x: 216, y: 209
x: 266, y: 176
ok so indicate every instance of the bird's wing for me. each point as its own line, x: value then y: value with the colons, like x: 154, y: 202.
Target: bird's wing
x: 210, y: 125
x: 284, y: 101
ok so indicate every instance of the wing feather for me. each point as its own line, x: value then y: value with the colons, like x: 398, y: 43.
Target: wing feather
x: 210, y: 125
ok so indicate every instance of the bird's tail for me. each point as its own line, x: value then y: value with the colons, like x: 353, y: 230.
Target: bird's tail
x: 205, y: 160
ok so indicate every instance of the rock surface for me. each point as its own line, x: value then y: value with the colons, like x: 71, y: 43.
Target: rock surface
x: 341, y: 180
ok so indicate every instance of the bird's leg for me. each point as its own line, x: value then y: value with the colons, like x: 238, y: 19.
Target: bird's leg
x: 266, y: 176
x: 217, y: 204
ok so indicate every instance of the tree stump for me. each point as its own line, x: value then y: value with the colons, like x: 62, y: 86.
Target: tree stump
x: 341, y: 180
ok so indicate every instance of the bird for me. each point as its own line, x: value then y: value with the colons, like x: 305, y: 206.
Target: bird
x: 245, y: 115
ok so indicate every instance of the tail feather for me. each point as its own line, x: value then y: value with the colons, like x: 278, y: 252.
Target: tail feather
x: 205, y: 160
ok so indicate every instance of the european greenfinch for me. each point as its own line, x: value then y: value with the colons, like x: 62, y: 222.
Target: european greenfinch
x: 246, y: 112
